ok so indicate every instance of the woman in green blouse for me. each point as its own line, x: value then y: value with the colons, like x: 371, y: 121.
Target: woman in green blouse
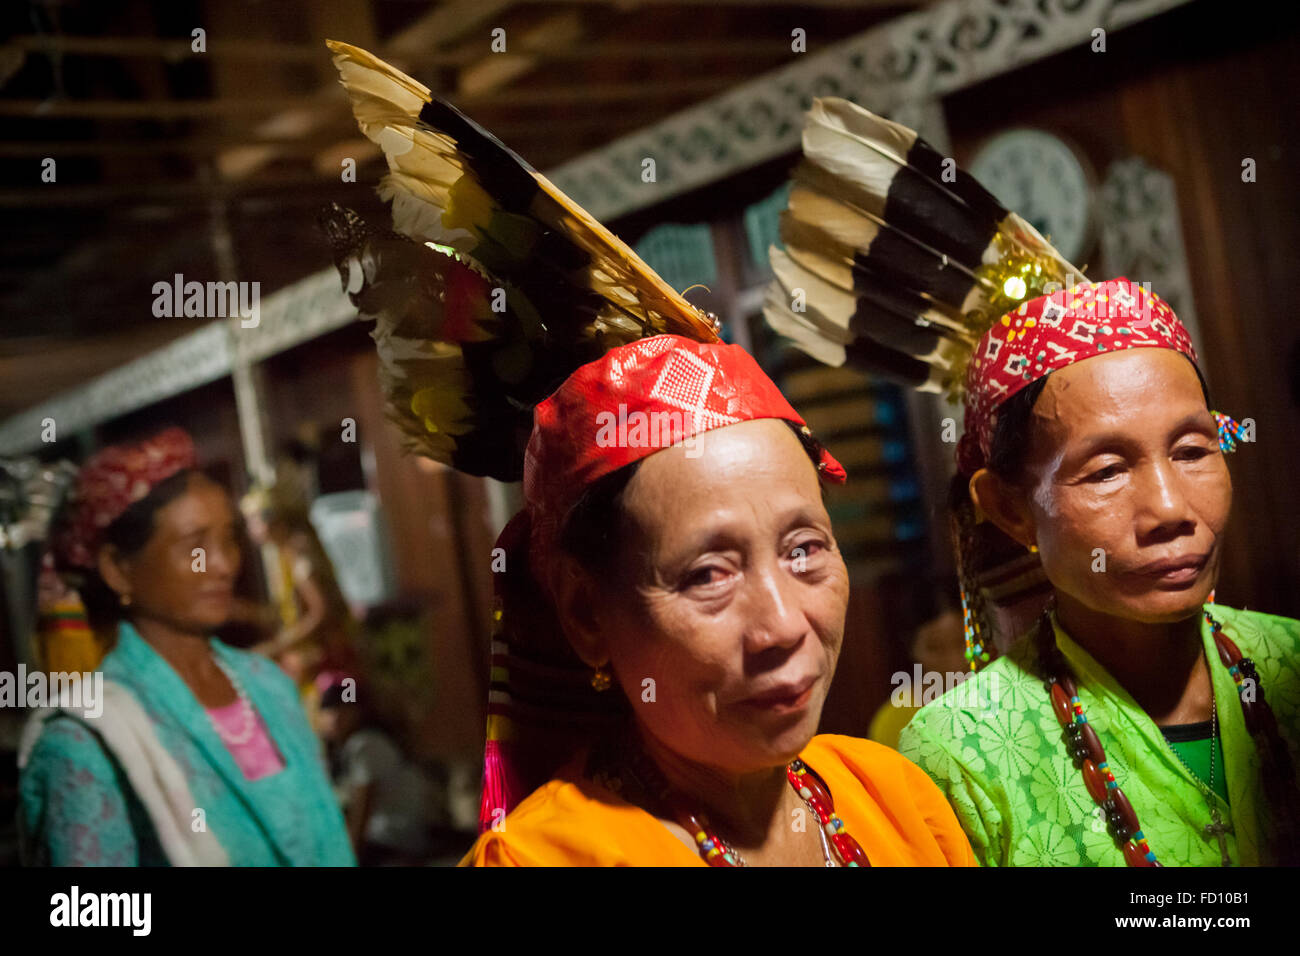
x: 1120, y: 729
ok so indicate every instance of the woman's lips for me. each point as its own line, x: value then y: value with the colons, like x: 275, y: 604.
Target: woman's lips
x: 1174, y: 572
x: 784, y: 699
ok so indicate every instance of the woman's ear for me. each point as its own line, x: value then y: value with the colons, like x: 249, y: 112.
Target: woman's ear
x: 113, y: 569
x: 578, y: 606
x: 1004, y: 504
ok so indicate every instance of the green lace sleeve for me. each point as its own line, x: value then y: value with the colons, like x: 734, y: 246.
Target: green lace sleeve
x: 954, y: 769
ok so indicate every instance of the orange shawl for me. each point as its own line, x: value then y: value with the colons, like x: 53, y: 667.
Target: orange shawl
x: 888, y: 803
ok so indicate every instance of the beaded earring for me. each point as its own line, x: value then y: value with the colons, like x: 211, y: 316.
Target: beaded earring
x: 600, y: 679
x: 1229, y: 432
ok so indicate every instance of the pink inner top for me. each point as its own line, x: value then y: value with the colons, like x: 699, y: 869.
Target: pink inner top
x: 257, y: 757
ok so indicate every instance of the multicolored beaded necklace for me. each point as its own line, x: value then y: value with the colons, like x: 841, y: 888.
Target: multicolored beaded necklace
x: 1085, y: 747
x: 715, y: 850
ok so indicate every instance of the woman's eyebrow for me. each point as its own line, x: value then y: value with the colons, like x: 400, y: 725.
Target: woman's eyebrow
x: 189, y: 530
x: 703, y: 539
x: 1197, y: 421
x: 1115, y: 439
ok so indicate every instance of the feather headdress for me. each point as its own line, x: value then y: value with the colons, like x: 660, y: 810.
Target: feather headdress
x: 895, y: 259
x: 492, y: 286
x: 900, y: 262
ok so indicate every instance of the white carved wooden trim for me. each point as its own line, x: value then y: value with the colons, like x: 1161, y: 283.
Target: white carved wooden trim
x: 910, y: 59
x: 1142, y: 235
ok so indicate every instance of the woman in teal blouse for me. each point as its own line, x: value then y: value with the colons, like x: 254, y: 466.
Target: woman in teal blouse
x: 202, y: 754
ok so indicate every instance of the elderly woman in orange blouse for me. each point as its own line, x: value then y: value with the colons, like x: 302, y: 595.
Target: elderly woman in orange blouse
x: 701, y: 587
x: 672, y: 598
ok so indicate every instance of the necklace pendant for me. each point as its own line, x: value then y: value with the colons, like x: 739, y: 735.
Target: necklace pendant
x: 1217, y: 828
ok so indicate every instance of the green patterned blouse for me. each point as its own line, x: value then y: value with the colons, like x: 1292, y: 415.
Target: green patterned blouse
x: 993, y: 745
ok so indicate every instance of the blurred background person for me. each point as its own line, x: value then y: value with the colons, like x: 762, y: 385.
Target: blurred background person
x: 316, y: 629
x: 202, y: 754
x: 388, y: 801
x: 938, y: 646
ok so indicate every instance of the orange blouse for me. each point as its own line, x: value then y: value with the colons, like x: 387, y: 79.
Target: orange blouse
x: 886, y: 802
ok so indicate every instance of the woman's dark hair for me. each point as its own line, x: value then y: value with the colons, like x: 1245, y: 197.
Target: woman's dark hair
x: 593, y: 529
x: 128, y: 533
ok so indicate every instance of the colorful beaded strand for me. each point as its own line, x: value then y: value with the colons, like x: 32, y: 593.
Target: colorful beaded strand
x: 975, y: 651
x: 1229, y: 432
x: 809, y: 787
x: 1084, y: 745
x: 715, y: 851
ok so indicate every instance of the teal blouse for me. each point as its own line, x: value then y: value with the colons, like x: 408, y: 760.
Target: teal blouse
x: 79, y: 810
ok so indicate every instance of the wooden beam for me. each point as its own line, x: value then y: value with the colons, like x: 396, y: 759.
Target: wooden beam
x: 199, y: 146
x: 293, y: 147
x: 635, y: 92
x: 191, y: 191
x: 431, y: 33
x: 173, y: 50
x: 697, y: 50
x: 144, y: 109
x: 495, y: 70
x: 792, y: 4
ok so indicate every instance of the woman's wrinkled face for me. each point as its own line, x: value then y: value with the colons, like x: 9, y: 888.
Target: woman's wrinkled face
x: 185, y: 575
x: 733, y: 598
x: 1128, y: 490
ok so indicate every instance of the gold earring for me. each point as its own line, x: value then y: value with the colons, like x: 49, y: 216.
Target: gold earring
x: 125, y: 600
x: 600, y: 678
x: 1033, y: 549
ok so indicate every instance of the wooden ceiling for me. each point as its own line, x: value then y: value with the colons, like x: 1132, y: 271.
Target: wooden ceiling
x: 160, y: 150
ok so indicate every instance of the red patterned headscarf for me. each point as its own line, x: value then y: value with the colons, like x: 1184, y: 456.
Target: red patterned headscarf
x: 631, y: 403
x: 1051, y: 332
x: 634, y: 401
x: 112, y: 480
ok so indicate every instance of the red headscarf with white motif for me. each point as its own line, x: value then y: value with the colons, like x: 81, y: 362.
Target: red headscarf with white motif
x: 1054, y: 331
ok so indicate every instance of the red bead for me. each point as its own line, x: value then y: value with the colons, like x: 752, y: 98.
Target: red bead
x: 1134, y: 855
x: 1061, y: 706
x: 1088, y: 738
x: 850, y: 850
x: 1095, y: 782
x: 1228, y: 652
x: 821, y: 800
x: 1127, y: 817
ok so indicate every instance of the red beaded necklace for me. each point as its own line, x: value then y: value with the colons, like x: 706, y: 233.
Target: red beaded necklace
x: 1085, y: 747
x: 715, y: 850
